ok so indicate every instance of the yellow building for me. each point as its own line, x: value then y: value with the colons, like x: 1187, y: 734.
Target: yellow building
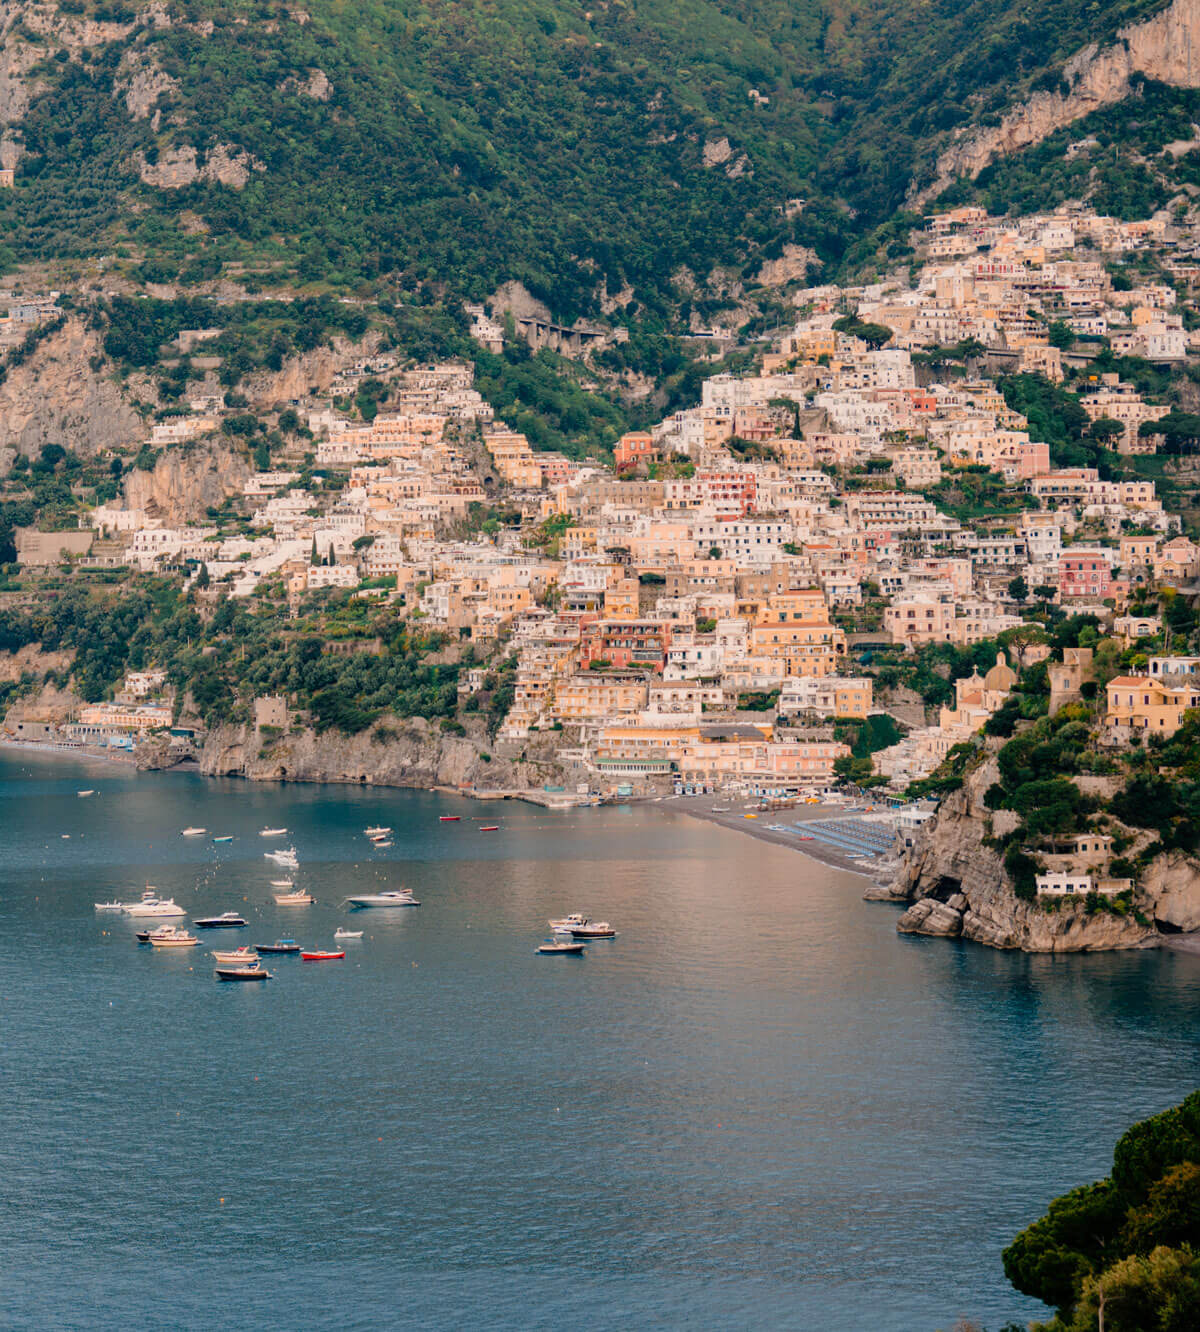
x: 1145, y: 704
x: 794, y: 627
x: 594, y: 697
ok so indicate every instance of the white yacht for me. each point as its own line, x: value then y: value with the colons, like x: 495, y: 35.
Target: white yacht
x: 287, y: 858
x: 236, y: 957
x: 171, y: 937
x: 109, y: 906
x: 272, y: 832
x: 572, y: 922
x: 193, y: 832
x: 290, y: 896
x: 340, y: 933
x: 152, y: 906
x: 388, y: 898
x: 376, y: 832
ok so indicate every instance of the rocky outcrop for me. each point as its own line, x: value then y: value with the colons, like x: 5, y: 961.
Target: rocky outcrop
x: 958, y: 888
x: 31, y: 660
x: 791, y: 266
x: 408, y: 752
x: 180, y: 166
x: 1161, y: 48
x: 56, y: 397
x: 311, y: 372
x: 187, y: 480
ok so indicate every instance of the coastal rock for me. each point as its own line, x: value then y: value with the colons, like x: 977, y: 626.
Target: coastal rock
x: 959, y: 888
x: 1160, y: 48
x: 311, y: 372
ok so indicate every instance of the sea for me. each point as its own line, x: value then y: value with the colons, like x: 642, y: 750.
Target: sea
x: 757, y: 1107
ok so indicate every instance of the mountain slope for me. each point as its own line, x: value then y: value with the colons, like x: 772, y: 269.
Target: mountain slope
x: 578, y: 150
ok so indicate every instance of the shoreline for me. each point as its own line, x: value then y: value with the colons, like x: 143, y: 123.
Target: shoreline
x: 700, y: 807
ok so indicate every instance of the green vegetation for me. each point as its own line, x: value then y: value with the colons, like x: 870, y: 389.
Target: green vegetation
x: 1122, y: 1254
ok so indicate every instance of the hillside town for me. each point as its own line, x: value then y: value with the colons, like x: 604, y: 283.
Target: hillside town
x: 707, y: 614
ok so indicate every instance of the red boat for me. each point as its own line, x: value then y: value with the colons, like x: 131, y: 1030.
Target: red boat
x: 321, y: 957
x: 490, y: 827
x: 449, y: 818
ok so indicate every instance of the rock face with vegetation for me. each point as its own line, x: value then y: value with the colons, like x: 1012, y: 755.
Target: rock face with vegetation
x: 959, y: 888
x: 186, y: 481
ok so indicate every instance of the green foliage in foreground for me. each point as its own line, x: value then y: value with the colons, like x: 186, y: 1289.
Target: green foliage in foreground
x: 1124, y: 1253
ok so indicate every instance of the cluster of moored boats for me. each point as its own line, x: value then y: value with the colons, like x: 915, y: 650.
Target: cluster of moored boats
x: 573, y: 933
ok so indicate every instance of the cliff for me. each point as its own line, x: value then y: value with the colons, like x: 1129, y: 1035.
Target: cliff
x: 55, y: 397
x: 1160, y: 48
x: 409, y: 752
x: 187, y: 480
x: 958, y: 888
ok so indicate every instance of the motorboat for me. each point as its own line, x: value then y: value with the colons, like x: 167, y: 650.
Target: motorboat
x: 594, y: 929
x: 84, y: 794
x: 389, y: 898
x: 490, y: 827
x: 227, y: 920
x: 193, y: 832
x: 566, y: 946
x: 254, y: 973
x: 172, y: 937
x: 449, y: 818
x: 381, y: 844
x: 319, y: 955
x: 719, y: 809
x: 109, y: 906
x: 227, y: 838
x: 347, y: 934
x: 281, y: 883
x: 142, y: 936
x: 236, y: 957
x: 286, y: 946
x: 376, y: 832
x: 152, y: 906
x: 574, y: 920
x: 286, y: 858
x: 294, y: 897
x: 272, y: 832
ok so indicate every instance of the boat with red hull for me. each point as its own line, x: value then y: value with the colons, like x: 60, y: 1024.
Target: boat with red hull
x: 321, y: 956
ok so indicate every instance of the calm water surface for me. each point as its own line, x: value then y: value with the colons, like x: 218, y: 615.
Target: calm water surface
x: 757, y: 1108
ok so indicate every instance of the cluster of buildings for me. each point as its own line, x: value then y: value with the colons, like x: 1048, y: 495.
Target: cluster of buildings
x: 693, y: 614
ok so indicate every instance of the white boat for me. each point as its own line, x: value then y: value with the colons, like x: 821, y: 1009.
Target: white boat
x: 389, y: 898
x: 171, y: 937
x: 237, y: 957
x: 193, y: 832
x: 109, y: 906
x: 376, y: 832
x: 287, y: 858
x: 272, y: 832
x: 381, y: 843
x: 84, y: 794
x: 294, y: 897
x: 281, y: 883
x: 152, y: 906
x: 347, y: 934
x: 574, y: 921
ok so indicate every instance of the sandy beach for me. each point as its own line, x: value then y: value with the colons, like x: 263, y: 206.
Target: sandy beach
x: 701, y: 807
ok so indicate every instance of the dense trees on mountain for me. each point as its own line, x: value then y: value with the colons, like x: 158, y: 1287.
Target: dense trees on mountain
x: 468, y: 143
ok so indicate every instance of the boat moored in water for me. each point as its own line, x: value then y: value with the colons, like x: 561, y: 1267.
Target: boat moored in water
x: 272, y: 832
x: 568, y: 922
x: 564, y: 946
x: 320, y: 955
x: 490, y: 827
x: 294, y: 897
x: 288, y: 947
x: 388, y: 898
x: 254, y: 973
x: 597, y: 929
x: 227, y: 920
x: 235, y: 957
x: 109, y: 906
x: 227, y: 838
x: 378, y: 831
x: 339, y: 933
x: 171, y: 936
x: 193, y: 832
x: 152, y: 906
x: 84, y: 794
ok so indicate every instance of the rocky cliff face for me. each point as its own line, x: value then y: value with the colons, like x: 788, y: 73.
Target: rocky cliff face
x: 959, y: 889
x: 408, y: 752
x: 1161, y: 48
x: 56, y: 398
x: 187, y: 480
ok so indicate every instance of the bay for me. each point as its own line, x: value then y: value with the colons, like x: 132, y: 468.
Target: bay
x: 757, y: 1107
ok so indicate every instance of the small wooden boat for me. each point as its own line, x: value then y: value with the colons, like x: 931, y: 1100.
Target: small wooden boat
x: 228, y: 920
x: 569, y: 947
x: 490, y: 827
x: 237, y: 957
x: 254, y: 973
x: 321, y: 955
x: 289, y: 946
x: 449, y: 818
x: 599, y: 929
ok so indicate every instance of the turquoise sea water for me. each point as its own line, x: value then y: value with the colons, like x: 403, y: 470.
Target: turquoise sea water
x: 757, y: 1108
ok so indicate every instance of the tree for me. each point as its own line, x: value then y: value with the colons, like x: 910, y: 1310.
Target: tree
x: 202, y: 578
x: 1060, y: 334
x: 1104, y: 429
x: 1018, y: 589
x: 314, y: 559
x: 1045, y: 593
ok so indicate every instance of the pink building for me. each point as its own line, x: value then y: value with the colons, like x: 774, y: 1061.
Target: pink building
x: 1085, y: 575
